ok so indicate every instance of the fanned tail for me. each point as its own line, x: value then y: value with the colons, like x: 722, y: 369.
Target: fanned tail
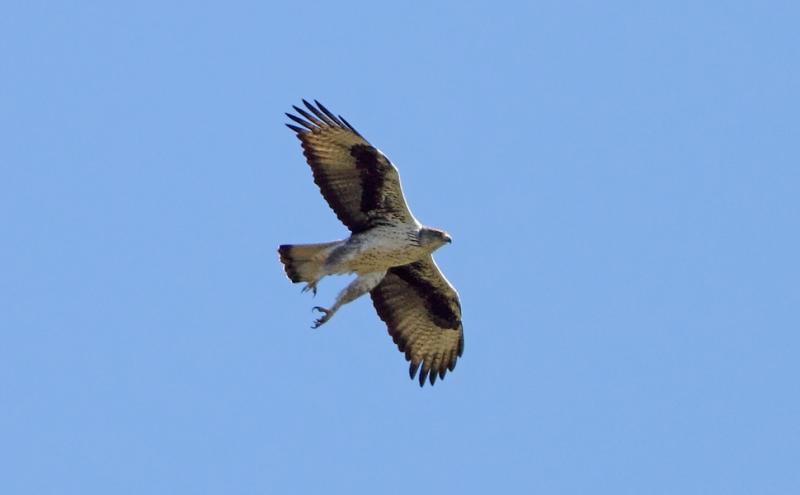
x: 304, y: 262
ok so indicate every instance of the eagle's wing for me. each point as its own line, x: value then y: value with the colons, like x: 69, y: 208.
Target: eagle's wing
x: 359, y: 183
x: 423, y: 314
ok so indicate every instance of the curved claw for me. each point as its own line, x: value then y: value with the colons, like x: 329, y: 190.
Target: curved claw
x: 326, y: 315
x: 311, y: 287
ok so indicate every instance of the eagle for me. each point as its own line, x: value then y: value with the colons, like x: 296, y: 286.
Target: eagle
x: 388, y: 249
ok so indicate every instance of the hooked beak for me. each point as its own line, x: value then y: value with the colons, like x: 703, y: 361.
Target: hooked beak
x: 448, y: 239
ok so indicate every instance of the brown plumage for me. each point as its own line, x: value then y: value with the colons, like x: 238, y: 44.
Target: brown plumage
x: 423, y: 315
x: 389, y: 250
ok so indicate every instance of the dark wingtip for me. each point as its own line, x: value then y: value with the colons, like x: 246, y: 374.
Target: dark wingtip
x: 300, y: 121
x: 328, y: 113
x: 320, y: 116
x: 349, y: 126
x: 423, y: 375
x: 320, y: 113
x: 296, y: 129
x: 412, y: 370
x: 308, y: 116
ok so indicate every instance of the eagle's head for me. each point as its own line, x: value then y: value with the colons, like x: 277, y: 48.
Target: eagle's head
x: 433, y: 238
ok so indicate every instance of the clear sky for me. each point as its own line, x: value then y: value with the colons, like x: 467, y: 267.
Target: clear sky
x: 621, y: 182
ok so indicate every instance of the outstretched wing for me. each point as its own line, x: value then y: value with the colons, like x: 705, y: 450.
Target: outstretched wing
x: 359, y: 183
x: 423, y: 314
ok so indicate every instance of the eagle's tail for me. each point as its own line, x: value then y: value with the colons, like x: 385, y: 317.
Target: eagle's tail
x: 304, y: 262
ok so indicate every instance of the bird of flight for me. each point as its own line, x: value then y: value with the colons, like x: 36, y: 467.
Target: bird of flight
x: 388, y: 249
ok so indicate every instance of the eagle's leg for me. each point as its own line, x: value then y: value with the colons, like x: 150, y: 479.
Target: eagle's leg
x: 311, y: 286
x: 357, y: 288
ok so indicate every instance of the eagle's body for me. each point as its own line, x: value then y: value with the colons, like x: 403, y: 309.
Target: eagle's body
x: 379, y: 248
x: 389, y: 250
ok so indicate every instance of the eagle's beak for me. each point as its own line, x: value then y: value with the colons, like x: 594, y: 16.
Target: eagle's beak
x: 448, y: 239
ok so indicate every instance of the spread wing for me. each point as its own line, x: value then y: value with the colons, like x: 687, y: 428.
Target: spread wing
x: 359, y: 183
x: 423, y: 314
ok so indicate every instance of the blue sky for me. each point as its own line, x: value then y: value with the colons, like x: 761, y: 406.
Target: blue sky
x: 620, y: 180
